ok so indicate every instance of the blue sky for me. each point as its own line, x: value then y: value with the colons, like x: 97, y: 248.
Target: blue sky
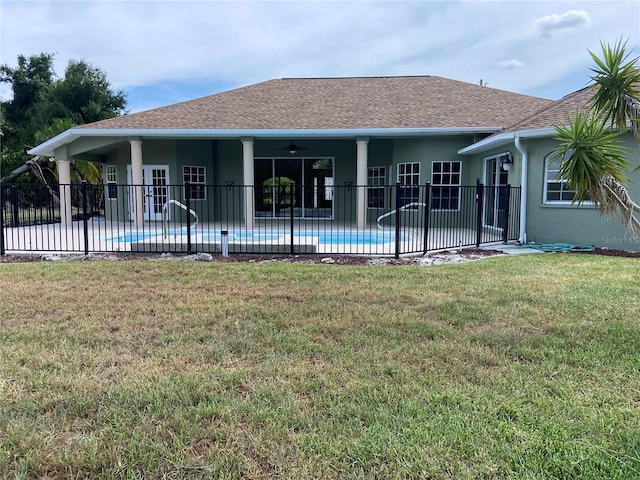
x: 162, y: 52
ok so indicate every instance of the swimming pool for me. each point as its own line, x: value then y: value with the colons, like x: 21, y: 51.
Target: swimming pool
x: 261, y: 236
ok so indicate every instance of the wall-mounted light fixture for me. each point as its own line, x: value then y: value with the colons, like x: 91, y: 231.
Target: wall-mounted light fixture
x: 229, y: 183
x: 348, y: 184
x: 506, y: 161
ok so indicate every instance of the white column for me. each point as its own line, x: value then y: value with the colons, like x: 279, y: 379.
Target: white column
x: 137, y: 181
x: 64, y: 182
x: 248, y: 179
x: 361, y: 181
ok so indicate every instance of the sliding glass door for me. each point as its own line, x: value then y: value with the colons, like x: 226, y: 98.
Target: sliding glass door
x: 302, y: 184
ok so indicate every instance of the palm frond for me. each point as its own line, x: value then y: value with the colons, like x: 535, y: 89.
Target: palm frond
x: 593, y: 164
x: 588, y: 150
x: 611, y: 198
x: 617, y: 98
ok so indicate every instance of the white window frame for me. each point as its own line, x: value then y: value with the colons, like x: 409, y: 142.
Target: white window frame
x: 111, y: 179
x: 195, y: 171
x: 409, y: 179
x: 449, y: 175
x: 376, y: 181
x: 550, y: 177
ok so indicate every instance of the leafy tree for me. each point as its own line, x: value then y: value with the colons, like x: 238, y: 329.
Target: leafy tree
x: 594, y: 163
x: 44, y: 106
x: 30, y: 82
x: 86, y: 93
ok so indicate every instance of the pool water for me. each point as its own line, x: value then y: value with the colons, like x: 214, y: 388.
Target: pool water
x: 355, y: 238
x: 130, y: 237
x: 324, y: 238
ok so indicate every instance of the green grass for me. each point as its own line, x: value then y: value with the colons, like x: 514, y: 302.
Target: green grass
x: 508, y: 367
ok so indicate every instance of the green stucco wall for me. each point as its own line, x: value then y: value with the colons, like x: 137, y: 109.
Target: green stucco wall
x: 441, y: 149
x: 549, y: 223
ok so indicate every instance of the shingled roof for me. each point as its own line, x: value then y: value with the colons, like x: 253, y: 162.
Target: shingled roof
x: 541, y: 123
x: 558, y: 112
x: 340, y: 103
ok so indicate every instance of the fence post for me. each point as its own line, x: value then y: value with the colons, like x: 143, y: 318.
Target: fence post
x: 187, y: 201
x: 507, y: 212
x: 85, y: 225
x: 427, y: 209
x: 291, y: 197
x: 14, y: 206
x: 479, y: 210
x: 398, y: 198
x: 2, y: 252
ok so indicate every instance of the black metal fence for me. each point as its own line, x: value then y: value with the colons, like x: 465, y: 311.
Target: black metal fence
x: 289, y: 219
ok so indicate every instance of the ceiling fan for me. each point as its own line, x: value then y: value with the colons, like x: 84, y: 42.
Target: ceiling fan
x: 293, y: 148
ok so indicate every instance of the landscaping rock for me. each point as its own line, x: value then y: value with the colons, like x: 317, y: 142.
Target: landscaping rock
x: 378, y: 261
x: 204, y: 257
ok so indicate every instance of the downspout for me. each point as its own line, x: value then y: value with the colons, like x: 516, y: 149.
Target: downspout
x: 523, y: 190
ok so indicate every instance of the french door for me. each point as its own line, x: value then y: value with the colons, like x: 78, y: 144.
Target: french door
x: 155, y: 179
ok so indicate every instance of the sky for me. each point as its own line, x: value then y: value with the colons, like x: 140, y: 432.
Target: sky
x: 162, y: 52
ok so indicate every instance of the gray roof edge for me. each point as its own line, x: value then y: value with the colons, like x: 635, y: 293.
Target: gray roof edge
x: 500, y: 139
x: 47, y: 148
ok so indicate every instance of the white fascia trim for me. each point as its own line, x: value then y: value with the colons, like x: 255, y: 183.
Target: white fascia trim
x: 46, y: 149
x: 504, y: 138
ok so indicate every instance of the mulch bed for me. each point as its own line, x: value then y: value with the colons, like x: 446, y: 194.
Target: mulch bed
x: 613, y: 253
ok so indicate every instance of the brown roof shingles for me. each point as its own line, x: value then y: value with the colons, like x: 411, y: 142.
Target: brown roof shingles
x: 557, y: 112
x: 340, y: 103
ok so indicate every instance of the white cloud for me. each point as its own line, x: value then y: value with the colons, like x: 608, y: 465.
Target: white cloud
x: 571, y: 21
x: 510, y: 64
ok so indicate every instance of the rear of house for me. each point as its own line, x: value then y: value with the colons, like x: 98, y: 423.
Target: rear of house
x: 357, y: 153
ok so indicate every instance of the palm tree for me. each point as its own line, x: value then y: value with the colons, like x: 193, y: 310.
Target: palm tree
x: 593, y: 161
x: 617, y: 98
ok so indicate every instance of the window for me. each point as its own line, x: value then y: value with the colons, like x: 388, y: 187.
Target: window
x: 376, y: 177
x: 196, y: 176
x: 445, y: 185
x: 555, y: 189
x: 409, y: 179
x: 111, y: 175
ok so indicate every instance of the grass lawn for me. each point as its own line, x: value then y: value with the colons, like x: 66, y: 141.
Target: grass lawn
x: 508, y: 367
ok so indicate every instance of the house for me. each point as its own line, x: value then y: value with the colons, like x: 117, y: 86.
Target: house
x: 325, y: 132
